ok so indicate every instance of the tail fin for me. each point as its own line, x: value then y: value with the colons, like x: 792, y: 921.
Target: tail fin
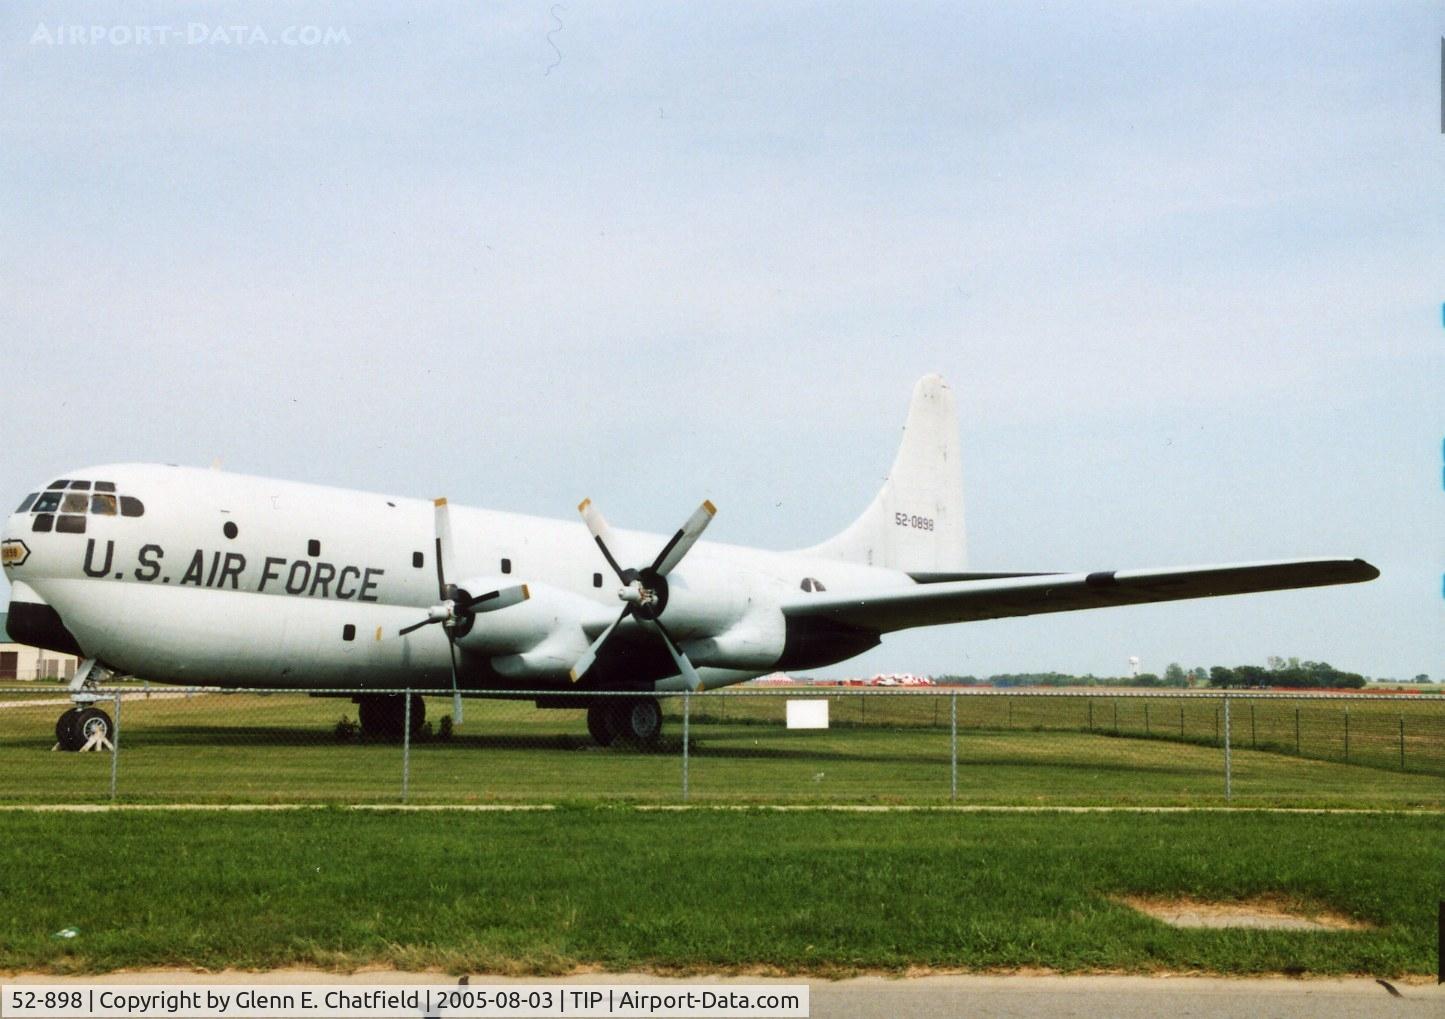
x: 915, y: 523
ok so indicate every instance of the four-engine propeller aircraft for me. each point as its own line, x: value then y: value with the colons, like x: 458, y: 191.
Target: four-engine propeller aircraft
x: 206, y: 578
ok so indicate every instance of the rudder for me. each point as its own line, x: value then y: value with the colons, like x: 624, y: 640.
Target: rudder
x: 915, y: 523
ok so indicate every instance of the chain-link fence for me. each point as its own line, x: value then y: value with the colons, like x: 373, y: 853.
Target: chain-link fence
x: 739, y: 746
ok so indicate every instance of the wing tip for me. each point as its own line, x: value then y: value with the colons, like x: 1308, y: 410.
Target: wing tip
x: 1366, y: 570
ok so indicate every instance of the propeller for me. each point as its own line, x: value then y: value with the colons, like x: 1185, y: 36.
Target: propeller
x: 457, y: 607
x: 644, y: 591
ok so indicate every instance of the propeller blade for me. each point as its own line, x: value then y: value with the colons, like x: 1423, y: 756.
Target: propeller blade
x: 456, y: 694
x: 684, y: 539
x: 601, y: 533
x: 589, y: 657
x: 494, y: 600
x: 684, y: 664
x: 443, y: 522
x: 415, y: 626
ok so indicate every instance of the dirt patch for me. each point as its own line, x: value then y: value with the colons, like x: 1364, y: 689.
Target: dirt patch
x: 1258, y: 914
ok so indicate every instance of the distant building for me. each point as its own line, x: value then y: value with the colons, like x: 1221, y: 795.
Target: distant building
x: 775, y: 679
x: 23, y: 662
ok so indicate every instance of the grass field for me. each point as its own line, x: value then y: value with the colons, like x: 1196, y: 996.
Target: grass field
x: 810, y: 892
x: 880, y: 749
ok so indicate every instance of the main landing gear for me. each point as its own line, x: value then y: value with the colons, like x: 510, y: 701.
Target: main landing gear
x: 84, y: 726
x: 383, y: 715
x: 633, y: 720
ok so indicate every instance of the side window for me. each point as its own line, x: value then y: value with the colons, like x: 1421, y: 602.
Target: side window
x: 49, y: 502
x: 131, y: 506
x: 28, y: 502
x: 74, y: 502
x: 70, y: 525
x: 103, y: 505
x: 43, y: 522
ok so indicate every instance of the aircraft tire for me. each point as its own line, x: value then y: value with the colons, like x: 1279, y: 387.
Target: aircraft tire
x: 638, y: 720
x: 600, y: 722
x: 75, y: 727
x: 383, y: 715
x: 65, y: 731
x: 89, y: 722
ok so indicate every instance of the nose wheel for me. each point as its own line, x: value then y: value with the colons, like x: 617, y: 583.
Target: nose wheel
x: 84, y: 729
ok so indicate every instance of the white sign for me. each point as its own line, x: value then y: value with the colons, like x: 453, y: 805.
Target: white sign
x: 809, y: 713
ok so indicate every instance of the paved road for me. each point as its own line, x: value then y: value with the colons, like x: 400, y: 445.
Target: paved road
x: 1122, y: 997
x: 949, y: 997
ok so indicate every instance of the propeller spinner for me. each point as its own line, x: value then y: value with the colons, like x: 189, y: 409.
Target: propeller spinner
x: 457, y: 607
x: 644, y: 590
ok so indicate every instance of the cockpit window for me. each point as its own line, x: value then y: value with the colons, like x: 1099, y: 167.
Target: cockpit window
x: 49, y: 502
x: 105, y: 486
x: 80, y: 486
x: 131, y: 506
x: 811, y: 584
x: 58, y: 484
x: 103, y: 505
x: 74, y: 502
x: 24, y: 506
x: 70, y: 525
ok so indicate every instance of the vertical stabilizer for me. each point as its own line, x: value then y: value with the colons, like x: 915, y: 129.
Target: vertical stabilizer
x: 915, y: 523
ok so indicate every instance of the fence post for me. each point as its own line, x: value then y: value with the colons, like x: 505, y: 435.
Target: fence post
x: 1228, y: 771
x: 406, y: 746
x: 953, y: 747
x: 1402, y: 742
x: 686, y: 719
x: 1347, y: 734
x: 115, y: 747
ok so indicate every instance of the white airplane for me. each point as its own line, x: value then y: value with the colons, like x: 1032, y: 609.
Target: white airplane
x: 206, y: 578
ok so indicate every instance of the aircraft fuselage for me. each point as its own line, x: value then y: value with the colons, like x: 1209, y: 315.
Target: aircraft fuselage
x: 231, y: 580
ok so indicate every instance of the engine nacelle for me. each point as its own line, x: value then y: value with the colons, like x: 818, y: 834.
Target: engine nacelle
x: 547, y: 611
x: 754, y: 642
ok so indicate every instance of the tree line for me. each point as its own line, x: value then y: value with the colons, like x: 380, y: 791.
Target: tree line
x: 1291, y: 674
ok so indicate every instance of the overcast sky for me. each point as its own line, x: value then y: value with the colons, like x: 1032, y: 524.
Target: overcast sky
x: 1182, y: 267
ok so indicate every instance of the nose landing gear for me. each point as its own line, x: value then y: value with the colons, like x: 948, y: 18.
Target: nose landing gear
x: 85, y: 727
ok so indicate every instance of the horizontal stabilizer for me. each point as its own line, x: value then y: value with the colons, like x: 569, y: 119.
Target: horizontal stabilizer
x: 928, y: 604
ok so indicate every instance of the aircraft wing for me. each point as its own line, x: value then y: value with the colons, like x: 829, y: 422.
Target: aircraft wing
x: 928, y: 604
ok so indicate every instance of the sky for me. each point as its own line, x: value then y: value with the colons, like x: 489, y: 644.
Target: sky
x: 1181, y: 265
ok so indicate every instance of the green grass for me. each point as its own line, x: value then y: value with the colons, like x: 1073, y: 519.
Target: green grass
x: 245, y: 748
x: 811, y: 892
